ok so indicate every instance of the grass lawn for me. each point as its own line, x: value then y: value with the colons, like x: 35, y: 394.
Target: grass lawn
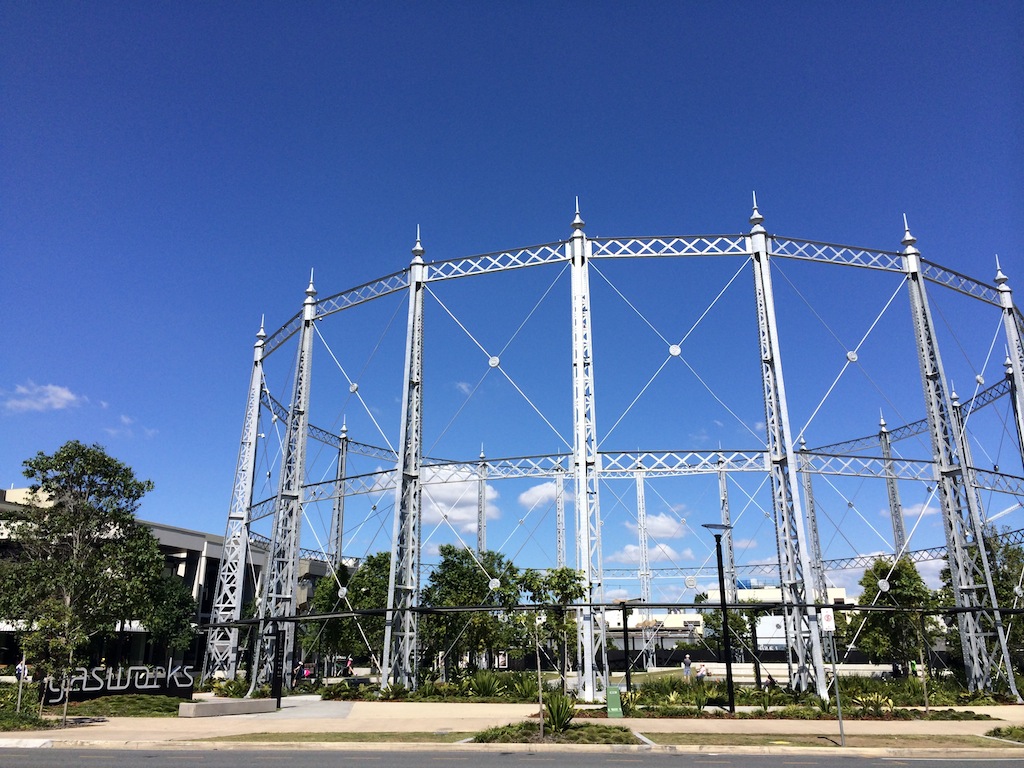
x: 137, y: 705
x: 879, y: 741
x: 345, y: 736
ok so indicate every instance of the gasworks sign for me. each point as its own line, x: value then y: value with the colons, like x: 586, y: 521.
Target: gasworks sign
x: 171, y: 680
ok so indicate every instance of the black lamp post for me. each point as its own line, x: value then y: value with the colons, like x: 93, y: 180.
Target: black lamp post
x: 717, y: 529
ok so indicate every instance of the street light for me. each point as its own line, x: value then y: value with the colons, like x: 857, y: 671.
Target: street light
x: 717, y: 529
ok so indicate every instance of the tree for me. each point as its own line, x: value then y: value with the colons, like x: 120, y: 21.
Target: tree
x: 557, y: 588
x: 80, y: 562
x: 367, y: 589
x: 164, y: 616
x: 1006, y: 564
x: 892, y: 635
x: 465, y: 578
x: 331, y: 636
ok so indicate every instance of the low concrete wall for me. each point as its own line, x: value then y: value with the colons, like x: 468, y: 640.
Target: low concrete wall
x: 220, y: 707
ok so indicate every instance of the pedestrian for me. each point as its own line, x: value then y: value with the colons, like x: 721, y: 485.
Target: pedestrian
x: 702, y: 672
x: 19, y: 671
x: 686, y: 666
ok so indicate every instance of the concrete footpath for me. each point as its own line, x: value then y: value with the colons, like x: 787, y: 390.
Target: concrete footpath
x: 308, y: 715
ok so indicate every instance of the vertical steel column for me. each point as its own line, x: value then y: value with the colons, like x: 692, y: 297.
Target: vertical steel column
x: 817, y: 572
x: 338, y: 512
x: 728, y: 552
x: 559, y: 518
x: 899, y: 529
x: 282, y: 582
x: 481, y: 503
x: 644, y: 573
x: 1014, y: 353
x: 968, y: 563
x: 994, y: 622
x: 222, y: 647
x: 797, y: 584
x: 586, y: 461
x: 401, y: 624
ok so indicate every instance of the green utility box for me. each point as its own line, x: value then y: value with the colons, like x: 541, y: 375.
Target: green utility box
x: 614, y: 703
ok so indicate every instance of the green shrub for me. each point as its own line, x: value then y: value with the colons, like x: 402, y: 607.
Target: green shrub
x: 559, y: 711
x: 629, y: 701
x: 231, y: 688
x: 486, y: 684
x: 663, y: 689
x: 799, y: 712
x: 25, y: 721
x: 396, y: 692
x: 523, y: 687
x: 876, y: 704
x: 1011, y: 733
x: 700, y: 696
x: 529, y: 732
x: 345, y: 691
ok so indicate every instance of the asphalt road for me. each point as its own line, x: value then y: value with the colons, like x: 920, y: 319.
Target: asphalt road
x: 256, y: 758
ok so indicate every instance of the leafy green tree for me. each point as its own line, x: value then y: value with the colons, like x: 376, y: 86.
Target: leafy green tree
x: 557, y: 588
x: 892, y: 635
x: 1006, y: 564
x: 367, y: 589
x: 740, y: 635
x: 81, y: 562
x: 165, y: 615
x: 464, y: 578
x: 332, y: 636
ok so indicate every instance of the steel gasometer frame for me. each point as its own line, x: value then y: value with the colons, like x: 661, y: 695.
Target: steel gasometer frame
x: 800, y: 567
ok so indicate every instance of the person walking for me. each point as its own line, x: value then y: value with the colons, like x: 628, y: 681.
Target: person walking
x: 686, y: 666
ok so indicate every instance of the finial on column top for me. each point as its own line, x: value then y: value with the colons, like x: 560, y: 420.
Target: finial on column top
x: 310, y: 290
x: 756, y: 218
x: 417, y: 250
x: 908, y: 239
x: 262, y: 334
x: 578, y: 223
x: 1000, y: 277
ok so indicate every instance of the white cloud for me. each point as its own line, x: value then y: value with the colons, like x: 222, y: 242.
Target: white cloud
x: 930, y: 572
x: 662, y: 527
x: 630, y: 554
x: 451, y: 495
x: 464, y: 387
x: 124, y: 429
x: 541, y: 494
x: 916, y: 510
x: 42, y: 397
x: 431, y: 549
x: 742, y: 544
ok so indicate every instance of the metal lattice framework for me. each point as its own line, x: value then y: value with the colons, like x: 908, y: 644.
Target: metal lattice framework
x: 407, y: 473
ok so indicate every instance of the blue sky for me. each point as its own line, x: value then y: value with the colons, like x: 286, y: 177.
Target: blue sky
x: 170, y: 173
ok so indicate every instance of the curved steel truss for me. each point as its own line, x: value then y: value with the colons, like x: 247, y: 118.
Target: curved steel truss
x: 407, y: 472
